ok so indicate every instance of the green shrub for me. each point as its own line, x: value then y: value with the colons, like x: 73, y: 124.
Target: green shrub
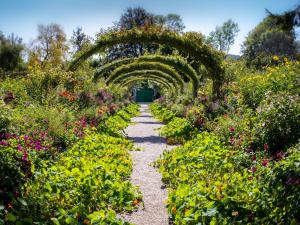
x: 233, y: 129
x: 89, y: 177
x: 178, y: 131
x: 213, y: 184
x: 275, y: 79
x: 278, y: 122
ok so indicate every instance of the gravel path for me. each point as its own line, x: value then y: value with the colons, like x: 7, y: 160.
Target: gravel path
x: 145, y: 135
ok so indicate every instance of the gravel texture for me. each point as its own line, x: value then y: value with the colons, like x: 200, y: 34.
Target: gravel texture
x: 145, y: 135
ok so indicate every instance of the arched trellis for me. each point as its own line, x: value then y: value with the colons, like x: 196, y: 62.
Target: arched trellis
x: 187, y: 46
x: 161, y: 82
x: 136, y: 66
x: 176, y: 62
x: 150, y: 73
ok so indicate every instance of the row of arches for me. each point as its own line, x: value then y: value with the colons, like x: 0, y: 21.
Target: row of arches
x: 170, y: 71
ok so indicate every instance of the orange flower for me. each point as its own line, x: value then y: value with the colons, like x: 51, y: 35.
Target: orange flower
x: 174, y: 210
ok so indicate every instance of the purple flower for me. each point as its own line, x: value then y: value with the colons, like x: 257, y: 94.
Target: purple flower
x: 19, y: 148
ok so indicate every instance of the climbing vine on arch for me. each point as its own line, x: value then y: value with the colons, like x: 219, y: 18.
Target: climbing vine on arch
x: 186, y: 44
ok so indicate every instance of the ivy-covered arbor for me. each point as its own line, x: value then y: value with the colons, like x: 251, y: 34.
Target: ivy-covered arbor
x: 187, y: 45
x: 178, y: 63
x: 141, y: 66
x: 160, y: 82
x: 154, y: 74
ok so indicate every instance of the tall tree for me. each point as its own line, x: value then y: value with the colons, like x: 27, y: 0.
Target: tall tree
x: 275, y: 35
x: 50, y: 45
x: 132, y: 18
x: 135, y: 17
x: 171, y: 21
x: 11, y: 48
x: 224, y: 36
x: 79, y: 39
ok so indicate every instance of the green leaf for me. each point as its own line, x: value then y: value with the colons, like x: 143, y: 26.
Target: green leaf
x: 55, y: 221
x: 22, y: 201
x: 11, y: 217
x: 70, y: 220
x: 210, y: 212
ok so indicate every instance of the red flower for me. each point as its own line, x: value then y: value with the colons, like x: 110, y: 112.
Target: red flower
x: 254, y: 157
x: 266, y: 147
x: 265, y: 162
x: 25, y: 156
x: 231, y: 129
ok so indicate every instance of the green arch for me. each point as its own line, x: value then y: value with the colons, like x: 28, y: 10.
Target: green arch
x: 167, y: 85
x: 185, y: 44
x: 145, y: 66
x: 176, y: 62
x: 150, y: 73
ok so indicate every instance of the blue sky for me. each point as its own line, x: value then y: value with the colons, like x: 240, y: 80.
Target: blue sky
x: 22, y: 16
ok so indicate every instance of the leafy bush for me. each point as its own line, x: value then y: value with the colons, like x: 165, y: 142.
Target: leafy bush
x: 233, y: 129
x: 275, y: 79
x: 162, y: 113
x: 278, y: 122
x: 213, y: 184
x: 87, y: 183
x: 178, y: 131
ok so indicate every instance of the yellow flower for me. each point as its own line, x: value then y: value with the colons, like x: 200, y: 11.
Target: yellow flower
x: 275, y: 58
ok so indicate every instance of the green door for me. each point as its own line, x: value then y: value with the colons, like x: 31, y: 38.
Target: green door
x: 144, y: 95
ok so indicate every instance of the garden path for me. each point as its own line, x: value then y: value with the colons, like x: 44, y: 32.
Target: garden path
x: 145, y: 135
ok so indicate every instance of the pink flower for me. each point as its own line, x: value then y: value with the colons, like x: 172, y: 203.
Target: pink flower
x: 266, y: 147
x: 232, y: 140
x: 4, y: 143
x: 279, y: 155
x: 253, y: 169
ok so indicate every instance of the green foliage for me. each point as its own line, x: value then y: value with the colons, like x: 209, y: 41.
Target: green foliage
x: 159, y: 81
x: 151, y: 74
x: 142, y: 66
x: 187, y: 44
x: 162, y: 113
x: 253, y: 86
x: 277, y: 123
x: 267, y: 39
x: 89, y: 177
x: 11, y: 53
x: 177, y: 62
x: 178, y: 131
x: 212, y: 184
x: 86, y: 183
